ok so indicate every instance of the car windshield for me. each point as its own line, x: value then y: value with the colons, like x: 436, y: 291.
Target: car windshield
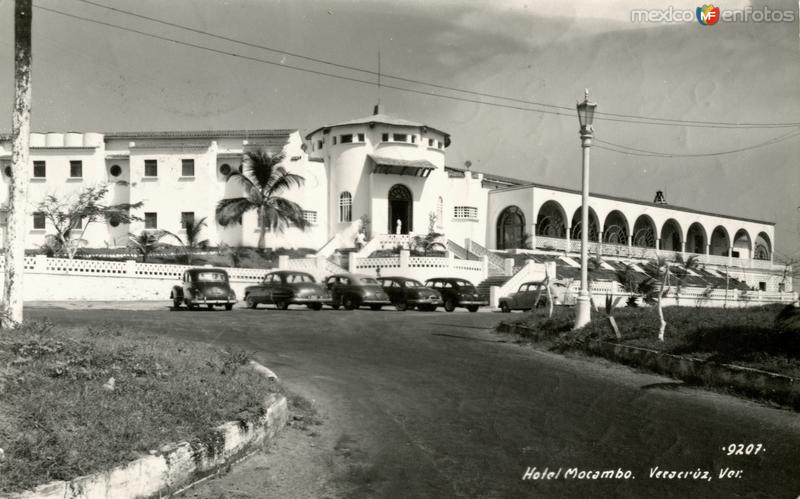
x: 368, y: 280
x: 411, y: 283
x: 211, y: 277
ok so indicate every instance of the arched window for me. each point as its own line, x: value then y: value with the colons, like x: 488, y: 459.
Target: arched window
x: 440, y: 212
x: 345, y: 207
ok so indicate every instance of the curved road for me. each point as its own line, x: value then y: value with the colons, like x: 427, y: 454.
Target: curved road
x: 436, y: 405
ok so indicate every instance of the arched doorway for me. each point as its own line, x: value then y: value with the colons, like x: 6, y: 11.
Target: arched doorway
x: 511, y: 228
x: 401, y: 207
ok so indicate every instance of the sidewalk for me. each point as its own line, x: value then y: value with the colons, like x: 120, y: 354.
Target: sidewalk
x: 102, y: 305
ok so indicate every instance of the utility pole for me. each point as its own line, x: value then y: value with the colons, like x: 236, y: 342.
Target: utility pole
x: 20, y: 167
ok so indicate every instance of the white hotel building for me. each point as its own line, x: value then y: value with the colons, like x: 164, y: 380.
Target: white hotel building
x: 390, y: 170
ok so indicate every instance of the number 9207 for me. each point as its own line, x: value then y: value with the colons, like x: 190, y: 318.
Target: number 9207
x: 743, y: 449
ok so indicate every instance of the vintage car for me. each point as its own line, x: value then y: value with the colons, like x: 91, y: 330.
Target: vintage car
x: 355, y: 290
x: 409, y: 293
x: 203, y: 286
x: 525, y: 297
x: 457, y: 293
x: 287, y: 287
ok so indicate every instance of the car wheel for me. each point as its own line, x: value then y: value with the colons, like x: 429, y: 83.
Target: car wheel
x: 335, y: 306
x: 229, y: 306
x: 210, y: 307
x: 250, y: 301
x: 401, y: 306
x: 315, y: 306
x: 504, y: 308
x: 449, y: 305
x: 350, y: 303
x: 176, y: 303
x: 375, y: 308
x: 472, y: 308
x: 191, y: 306
x: 281, y: 304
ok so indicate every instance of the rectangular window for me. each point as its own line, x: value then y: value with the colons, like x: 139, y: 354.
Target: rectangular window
x: 439, y: 144
x: 385, y: 137
x: 399, y: 137
x: 187, y: 168
x: 334, y: 140
x: 762, y: 286
x: 38, y: 221
x: 310, y: 216
x: 361, y: 137
x: 468, y: 212
x: 151, y: 220
x: 347, y: 139
x: 151, y: 168
x: 39, y: 169
x: 76, y: 169
x: 320, y: 143
x: 187, y: 219
x: 413, y: 139
x: 430, y: 142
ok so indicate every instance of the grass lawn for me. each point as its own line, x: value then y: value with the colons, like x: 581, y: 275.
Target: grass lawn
x: 58, y: 422
x: 749, y: 337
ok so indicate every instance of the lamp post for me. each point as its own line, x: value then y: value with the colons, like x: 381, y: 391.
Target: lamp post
x: 585, y: 117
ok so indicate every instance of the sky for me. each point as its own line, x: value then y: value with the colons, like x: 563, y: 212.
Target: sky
x: 89, y: 77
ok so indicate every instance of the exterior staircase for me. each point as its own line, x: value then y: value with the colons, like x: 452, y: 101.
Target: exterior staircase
x: 341, y: 258
x: 497, y: 280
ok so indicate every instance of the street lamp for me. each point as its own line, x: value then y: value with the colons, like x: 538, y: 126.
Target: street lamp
x: 585, y: 117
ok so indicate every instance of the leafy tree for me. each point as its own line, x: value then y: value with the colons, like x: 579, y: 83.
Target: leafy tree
x: 428, y: 242
x: 235, y: 253
x: 193, y: 243
x: 148, y: 241
x: 71, y: 215
x: 262, y: 181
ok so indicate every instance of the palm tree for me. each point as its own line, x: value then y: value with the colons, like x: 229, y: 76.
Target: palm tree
x: 193, y: 242
x: 148, y: 241
x: 262, y: 181
x: 682, y: 272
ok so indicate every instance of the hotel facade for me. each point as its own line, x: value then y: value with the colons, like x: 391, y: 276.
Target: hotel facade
x: 388, y: 172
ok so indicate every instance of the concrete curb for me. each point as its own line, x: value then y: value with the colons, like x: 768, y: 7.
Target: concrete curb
x: 174, y: 467
x: 770, y: 386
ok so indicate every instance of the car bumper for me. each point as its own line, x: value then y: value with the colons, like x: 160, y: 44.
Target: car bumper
x: 425, y: 301
x: 212, y: 301
x: 303, y: 300
x: 372, y: 301
x: 467, y: 303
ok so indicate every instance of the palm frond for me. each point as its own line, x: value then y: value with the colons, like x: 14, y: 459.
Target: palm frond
x: 282, y: 213
x: 260, y: 166
x: 282, y: 180
x: 230, y: 211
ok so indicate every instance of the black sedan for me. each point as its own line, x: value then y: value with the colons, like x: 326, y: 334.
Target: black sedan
x: 286, y: 287
x: 203, y: 286
x: 409, y: 293
x: 355, y: 290
x: 457, y: 293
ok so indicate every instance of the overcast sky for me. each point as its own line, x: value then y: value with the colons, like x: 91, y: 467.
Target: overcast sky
x: 88, y: 77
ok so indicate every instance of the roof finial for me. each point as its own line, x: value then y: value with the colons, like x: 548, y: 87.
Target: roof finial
x: 586, y: 94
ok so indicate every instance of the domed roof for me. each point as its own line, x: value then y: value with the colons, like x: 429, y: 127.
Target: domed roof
x: 381, y: 118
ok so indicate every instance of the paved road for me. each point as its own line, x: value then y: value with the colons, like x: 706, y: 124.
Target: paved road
x: 435, y: 405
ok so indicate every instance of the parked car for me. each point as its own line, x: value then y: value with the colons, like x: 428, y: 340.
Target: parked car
x: 525, y: 297
x: 409, y: 293
x: 203, y: 286
x: 286, y: 287
x: 355, y: 290
x: 457, y: 293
